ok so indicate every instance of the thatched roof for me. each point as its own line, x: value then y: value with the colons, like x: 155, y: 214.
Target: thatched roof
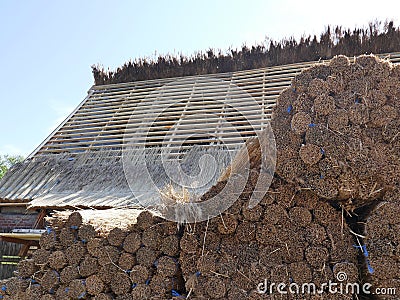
x: 59, y: 180
x: 97, y: 179
x: 377, y: 38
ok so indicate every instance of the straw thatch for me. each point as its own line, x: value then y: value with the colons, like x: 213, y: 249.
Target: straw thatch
x: 378, y: 37
x: 103, y: 221
x: 97, y: 179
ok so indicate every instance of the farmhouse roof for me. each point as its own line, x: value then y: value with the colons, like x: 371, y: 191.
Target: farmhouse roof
x: 80, y: 163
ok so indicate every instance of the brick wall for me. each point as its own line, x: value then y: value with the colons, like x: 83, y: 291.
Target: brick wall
x: 18, y: 217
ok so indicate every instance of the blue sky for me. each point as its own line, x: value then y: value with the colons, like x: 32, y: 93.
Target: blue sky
x: 47, y: 47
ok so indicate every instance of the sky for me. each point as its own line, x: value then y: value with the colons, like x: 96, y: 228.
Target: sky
x: 47, y: 48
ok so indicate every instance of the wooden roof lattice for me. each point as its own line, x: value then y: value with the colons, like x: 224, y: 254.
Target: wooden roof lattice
x: 100, y: 121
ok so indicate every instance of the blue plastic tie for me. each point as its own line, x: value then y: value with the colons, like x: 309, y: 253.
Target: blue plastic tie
x: 66, y: 290
x: 147, y: 281
x: 311, y: 125
x: 82, y: 295
x: 155, y: 263
x: 198, y: 273
x: 84, y: 241
x: 321, y: 176
x: 370, y: 269
x: 51, y: 291
x: 364, y: 249
x: 322, y: 151
x: 365, y: 253
x: 289, y: 109
x: 1, y: 297
x: 134, y: 285
x: 4, y: 288
x: 175, y: 293
x: 48, y: 230
x: 74, y: 227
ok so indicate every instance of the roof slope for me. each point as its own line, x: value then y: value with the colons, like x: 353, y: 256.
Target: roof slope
x: 79, y: 164
x: 85, y: 180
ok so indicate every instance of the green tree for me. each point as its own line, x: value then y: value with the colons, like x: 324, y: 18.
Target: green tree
x: 7, y: 161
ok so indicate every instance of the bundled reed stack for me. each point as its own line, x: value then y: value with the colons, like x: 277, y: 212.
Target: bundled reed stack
x: 290, y: 237
x: 336, y: 130
x: 382, y: 245
x: 75, y: 262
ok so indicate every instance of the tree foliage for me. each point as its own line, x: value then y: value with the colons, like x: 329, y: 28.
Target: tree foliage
x: 7, y: 161
x: 377, y: 37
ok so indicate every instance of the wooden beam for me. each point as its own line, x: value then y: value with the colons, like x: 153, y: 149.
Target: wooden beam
x: 24, y: 250
x: 39, y: 219
x: 21, y: 236
x: 13, y: 204
x: 15, y: 240
x: 38, y: 223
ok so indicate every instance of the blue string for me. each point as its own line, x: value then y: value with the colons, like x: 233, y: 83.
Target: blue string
x: 370, y: 269
x: 134, y: 285
x: 82, y: 295
x: 4, y: 288
x: 311, y: 125
x: 322, y: 151
x: 74, y: 227
x: 289, y: 109
x: 198, y: 273
x: 147, y: 281
x: 366, y: 254
x: 175, y: 293
x: 364, y: 249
